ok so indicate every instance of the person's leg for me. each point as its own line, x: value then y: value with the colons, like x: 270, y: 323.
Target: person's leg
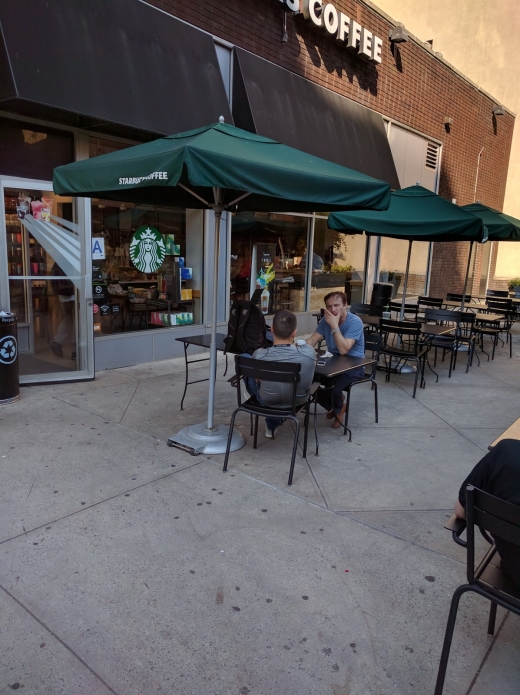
x: 342, y: 382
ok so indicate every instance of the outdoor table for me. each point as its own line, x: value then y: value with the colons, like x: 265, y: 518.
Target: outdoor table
x: 201, y: 341
x: 488, y: 318
x: 512, y: 432
x: 339, y: 364
x: 469, y: 306
x: 426, y: 328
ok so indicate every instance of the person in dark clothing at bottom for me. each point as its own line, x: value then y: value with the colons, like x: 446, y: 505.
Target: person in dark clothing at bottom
x: 498, y: 473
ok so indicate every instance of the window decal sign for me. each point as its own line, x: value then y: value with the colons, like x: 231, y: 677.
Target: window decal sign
x: 147, y: 250
x: 8, y: 349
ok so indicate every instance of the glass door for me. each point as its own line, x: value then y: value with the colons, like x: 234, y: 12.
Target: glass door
x: 43, y: 279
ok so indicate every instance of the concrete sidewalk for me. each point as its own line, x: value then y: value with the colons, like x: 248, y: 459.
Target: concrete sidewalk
x: 129, y: 567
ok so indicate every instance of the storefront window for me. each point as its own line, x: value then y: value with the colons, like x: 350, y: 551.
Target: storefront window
x: 146, y: 274
x: 338, y: 264
x: 268, y: 260
x: 392, y: 266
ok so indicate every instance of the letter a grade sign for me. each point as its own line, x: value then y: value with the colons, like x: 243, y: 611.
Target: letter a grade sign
x: 98, y: 248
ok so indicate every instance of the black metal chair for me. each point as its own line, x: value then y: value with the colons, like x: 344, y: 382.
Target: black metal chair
x: 373, y: 343
x: 450, y: 342
x: 497, y: 293
x: 453, y: 297
x: 504, y: 308
x: 492, y: 516
x: 424, y: 303
x: 402, y: 341
x: 410, y: 310
x: 277, y: 372
x: 366, y: 309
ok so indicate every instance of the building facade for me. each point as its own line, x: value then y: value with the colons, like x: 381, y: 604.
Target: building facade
x: 476, y: 37
x: 323, y: 78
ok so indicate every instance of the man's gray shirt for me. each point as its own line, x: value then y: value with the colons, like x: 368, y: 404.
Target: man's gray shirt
x: 277, y: 394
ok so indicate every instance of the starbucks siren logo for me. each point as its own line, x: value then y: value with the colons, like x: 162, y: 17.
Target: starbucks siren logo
x: 147, y: 250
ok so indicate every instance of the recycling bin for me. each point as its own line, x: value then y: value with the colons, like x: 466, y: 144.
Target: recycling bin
x: 381, y: 293
x: 9, y: 383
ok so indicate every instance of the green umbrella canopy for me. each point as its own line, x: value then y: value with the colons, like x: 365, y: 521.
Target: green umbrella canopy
x: 278, y: 178
x: 500, y: 227
x: 414, y: 214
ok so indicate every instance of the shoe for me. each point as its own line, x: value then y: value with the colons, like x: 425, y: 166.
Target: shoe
x: 269, y: 433
x: 57, y: 349
x: 338, y: 422
x: 73, y: 355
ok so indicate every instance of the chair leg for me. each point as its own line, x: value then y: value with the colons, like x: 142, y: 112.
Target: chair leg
x: 494, y: 346
x: 510, y: 345
x: 423, y: 380
x: 230, y: 435
x: 445, y: 654
x: 453, y: 352
x: 347, y: 406
x: 255, y: 441
x: 432, y: 370
x: 251, y: 423
x: 295, y: 446
x: 305, y: 430
x: 416, y: 377
x: 316, y: 428
x: 492, y: 618
x: 374, y: 388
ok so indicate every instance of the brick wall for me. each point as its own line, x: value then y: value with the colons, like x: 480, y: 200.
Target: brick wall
x: 411, y: 86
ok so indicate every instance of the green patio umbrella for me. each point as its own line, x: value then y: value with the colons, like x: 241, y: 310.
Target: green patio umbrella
x: 414, y: 214
x: 220, y: 167
x: 501, y: 227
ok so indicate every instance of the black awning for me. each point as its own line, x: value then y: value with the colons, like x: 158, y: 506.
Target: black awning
x: 113, y: 61
x: 278, y: 104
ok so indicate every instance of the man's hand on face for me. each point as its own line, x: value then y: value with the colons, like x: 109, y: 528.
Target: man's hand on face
x: 331, y: 319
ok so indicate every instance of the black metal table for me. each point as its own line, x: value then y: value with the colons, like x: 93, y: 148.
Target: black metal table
x: 201, y: 341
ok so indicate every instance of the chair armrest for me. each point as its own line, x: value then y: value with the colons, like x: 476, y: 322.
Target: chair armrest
x: 457, y: 527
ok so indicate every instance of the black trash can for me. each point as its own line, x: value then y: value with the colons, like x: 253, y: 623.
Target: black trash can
x: 382, y: 293
x: 9, y: 384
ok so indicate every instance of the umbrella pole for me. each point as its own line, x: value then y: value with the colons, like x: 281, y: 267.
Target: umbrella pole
x: 208, y: 437
x: 467, y: 275
x: 405, y: 286
x: 213, y: 344
x: 406, y: 368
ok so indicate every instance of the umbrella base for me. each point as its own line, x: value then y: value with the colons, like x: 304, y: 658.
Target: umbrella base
x: 197, y: 439
x: 407, y: 369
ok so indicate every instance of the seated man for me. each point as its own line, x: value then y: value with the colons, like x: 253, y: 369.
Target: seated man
x: 499, y: 474
x: 343, y: 333
x: 283, y: 350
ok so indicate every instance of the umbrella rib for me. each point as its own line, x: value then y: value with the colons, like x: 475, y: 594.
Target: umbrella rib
x: 241, y: 197
x: 195, y: 194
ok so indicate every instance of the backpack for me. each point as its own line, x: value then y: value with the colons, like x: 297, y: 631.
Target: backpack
x: 246, y: 329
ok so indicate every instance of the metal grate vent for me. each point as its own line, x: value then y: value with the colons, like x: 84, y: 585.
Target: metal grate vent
x: 432, y: 155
